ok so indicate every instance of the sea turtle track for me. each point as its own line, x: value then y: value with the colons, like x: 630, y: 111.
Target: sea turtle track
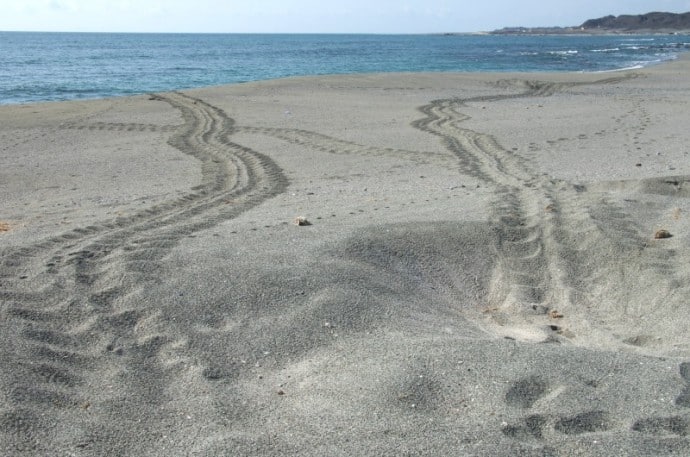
x: 331, y: 145
x: 535, y: 218
x: 561, y: 250
x: 522, y: 283
x: 63, y: 299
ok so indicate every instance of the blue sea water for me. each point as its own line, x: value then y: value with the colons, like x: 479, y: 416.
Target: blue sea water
x: 65, y: 66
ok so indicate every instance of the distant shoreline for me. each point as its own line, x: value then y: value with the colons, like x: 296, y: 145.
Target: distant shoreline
x: 571, y: 31
x: 653, y: 23
x: 525, y: 31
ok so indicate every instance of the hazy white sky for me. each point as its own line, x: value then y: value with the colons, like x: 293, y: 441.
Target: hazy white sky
x: 312, y: 16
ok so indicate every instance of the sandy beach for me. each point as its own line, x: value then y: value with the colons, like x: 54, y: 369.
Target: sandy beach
x: 362, y: 265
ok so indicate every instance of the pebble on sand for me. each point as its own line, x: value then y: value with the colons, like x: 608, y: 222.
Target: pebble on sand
x: 301, y: 221
x: 661, y: 234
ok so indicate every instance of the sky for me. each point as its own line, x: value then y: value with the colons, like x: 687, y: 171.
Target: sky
x: 311, y: 16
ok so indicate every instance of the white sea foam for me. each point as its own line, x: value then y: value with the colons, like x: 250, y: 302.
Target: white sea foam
x: 564, y: 53
x: 633, y: 67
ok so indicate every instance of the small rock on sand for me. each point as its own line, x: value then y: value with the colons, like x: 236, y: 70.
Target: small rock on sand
x: 301, y: 221
x: 661, y: 234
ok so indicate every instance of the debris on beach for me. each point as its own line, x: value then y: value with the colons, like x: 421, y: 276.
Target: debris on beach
x: 661, y: 234
x: 301, y: 221
x: 553, y: 314
x: 4, y: 227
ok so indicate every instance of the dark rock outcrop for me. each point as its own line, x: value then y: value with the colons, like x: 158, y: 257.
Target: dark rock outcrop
x: 642, y: 23
x: 649, y: 21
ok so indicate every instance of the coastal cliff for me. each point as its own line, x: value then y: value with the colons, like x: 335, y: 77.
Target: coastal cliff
x: 654, y: 22
x: 641, y: 22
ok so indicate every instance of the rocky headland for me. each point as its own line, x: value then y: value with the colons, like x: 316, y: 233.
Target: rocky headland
x: 653, y: 23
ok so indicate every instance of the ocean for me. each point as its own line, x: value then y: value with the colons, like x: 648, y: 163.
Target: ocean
x: 37, y: 67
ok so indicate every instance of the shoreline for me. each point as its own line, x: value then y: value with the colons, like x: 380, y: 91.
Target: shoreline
x: 15, y: 95
x: 537, y: 31
x: 476, y: 272
x: 335, y: 75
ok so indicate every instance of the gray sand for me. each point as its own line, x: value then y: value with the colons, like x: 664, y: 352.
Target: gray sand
x: 479, y: 274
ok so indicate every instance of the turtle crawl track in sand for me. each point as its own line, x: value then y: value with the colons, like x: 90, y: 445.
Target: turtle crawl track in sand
x: 536, y: 279
x: 64, y: 317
